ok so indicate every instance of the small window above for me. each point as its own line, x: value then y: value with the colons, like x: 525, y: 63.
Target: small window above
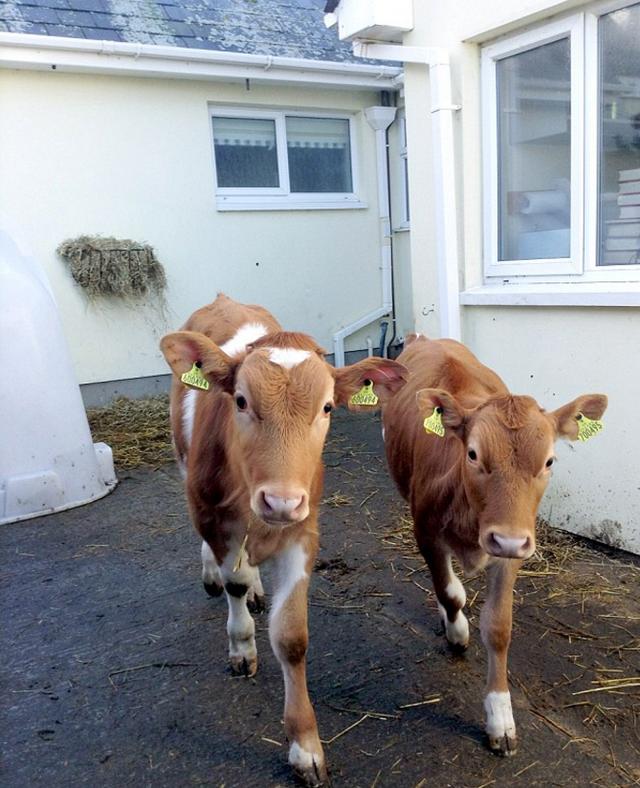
x: 269, y: 160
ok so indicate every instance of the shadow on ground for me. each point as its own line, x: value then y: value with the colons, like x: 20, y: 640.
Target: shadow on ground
x: 114, y: 660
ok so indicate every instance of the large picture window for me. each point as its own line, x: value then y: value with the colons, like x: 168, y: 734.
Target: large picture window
x: 271, y: 160
x: 561, y: 120
x: 619, y: 137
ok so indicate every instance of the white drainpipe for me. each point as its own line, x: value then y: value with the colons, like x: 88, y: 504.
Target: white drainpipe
x: 442, y: 109
x: 379, y: 118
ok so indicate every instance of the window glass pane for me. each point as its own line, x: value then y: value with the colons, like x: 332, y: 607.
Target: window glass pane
x: 619, y: 214
x: 319, y: 155
x: 246, y: 154
x: 534, y: 153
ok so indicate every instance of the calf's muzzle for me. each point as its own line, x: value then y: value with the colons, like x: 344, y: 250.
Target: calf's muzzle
x: 512, y: 545
x: 280, y: 506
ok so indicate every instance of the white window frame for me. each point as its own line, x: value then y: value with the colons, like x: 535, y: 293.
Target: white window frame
x: 581, y: 266
x: 281, y: 197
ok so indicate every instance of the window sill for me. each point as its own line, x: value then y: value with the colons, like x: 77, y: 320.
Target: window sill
x: 569, y: 294
x: 286, y: 204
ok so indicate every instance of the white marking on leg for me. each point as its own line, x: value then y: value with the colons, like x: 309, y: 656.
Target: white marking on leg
x: 244, y: 336
x: 241, y: 630
x: 301, y: 759
x: 188, y: 414
x: 383, y: 432
x: 290, y: 569
x: 287, y: 357
x: 210, y: 571
x: 457, y: 630
x: 497, y: 706
x: 255, y: 589
x: 455, y: 590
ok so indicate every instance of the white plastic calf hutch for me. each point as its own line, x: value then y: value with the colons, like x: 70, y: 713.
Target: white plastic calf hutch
x: 48, y: 461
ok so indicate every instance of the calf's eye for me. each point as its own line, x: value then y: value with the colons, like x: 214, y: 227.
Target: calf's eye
x: 549, y: 462
x: 328, y: 408
x: 471, y: 454
x: 241, y: 402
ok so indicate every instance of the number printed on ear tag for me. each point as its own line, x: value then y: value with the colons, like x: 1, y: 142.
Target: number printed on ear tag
x: 195, y: 379
x: 433, y: 423
x: 366, y: 395
x: 587, y: 428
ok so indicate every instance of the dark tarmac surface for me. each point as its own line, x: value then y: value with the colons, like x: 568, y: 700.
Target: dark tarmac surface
x: 114, y: 669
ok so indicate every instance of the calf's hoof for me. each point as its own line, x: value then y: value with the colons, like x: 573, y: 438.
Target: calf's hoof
x: 244, y: 666
x: 213, y: 589
x: 256, y: 603
x: 504, y: 745
x: 309, y: 768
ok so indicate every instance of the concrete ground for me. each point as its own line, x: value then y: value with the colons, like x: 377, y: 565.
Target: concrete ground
x: 113, y: 659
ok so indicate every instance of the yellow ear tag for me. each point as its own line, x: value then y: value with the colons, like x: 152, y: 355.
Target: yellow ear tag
x: 433, y: 423
x: 366, y: 395
x: 195, y: 379
x: 587, y: 428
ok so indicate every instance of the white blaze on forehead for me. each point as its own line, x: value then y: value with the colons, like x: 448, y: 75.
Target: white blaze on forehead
x: 287, y: 357
x: 244, y: 336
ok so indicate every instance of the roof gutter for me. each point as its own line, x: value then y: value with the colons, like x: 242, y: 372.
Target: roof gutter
x: 25, y: 51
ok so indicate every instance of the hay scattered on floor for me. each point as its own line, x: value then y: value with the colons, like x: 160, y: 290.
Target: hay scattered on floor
x: 137, y: 430
x: 113, y: 267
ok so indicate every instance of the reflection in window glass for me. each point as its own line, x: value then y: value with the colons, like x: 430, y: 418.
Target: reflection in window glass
x: 319, y: 154
x: 619, y: 215
x: 246, y: 154
x: 534, y: 153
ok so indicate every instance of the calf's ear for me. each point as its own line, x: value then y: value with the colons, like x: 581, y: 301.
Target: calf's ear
x: 567, y: 418
x: 183, y: 349
x: 375, y: 378
x: 434, y: 402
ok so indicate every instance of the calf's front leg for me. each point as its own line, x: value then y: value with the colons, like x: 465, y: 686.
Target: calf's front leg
x: 243, y: 656
x: 449, y: 590
x: 289, y: 639
x: 495, y: 628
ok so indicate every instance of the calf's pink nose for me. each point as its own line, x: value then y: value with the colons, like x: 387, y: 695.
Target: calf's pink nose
x: 289, y: 506
x: 509, y: 546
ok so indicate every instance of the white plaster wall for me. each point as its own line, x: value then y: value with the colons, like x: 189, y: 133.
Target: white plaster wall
x: 133, y: 158
x: 553, y: 354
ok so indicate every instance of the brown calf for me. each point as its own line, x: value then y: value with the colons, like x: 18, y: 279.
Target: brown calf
x: 474, y: 486
x: 250, y: 448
